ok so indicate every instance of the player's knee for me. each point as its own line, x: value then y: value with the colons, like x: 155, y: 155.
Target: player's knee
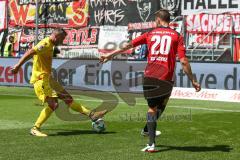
x: 152, y: 110
x: 68, y: 99
x: 151, y: 117
x: 53, y: 105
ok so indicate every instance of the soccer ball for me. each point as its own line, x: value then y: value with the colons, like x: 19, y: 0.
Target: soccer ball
x: 98, y: 126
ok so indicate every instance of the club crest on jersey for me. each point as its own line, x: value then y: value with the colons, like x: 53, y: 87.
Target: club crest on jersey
x: 41, y: 46
x: 171, y: 5
x: 144, y: 9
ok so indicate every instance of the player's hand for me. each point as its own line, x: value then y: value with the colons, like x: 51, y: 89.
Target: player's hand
x: 196, y: 85
x: 105, y: 58
x: 15, y: 69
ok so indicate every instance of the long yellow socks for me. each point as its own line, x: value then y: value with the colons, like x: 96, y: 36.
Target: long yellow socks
x: 79, y: 108
x: 47, y: 111
x: 44, y: 115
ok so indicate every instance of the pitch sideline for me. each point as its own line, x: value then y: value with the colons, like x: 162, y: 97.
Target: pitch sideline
x: 122, y: 102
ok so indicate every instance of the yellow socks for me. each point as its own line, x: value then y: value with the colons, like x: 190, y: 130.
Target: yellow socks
x: 47, y: 111
x: 79, y: 108
x: 44, y: 115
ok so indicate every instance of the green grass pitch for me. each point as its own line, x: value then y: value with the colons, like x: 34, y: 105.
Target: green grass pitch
x: 191, y: 130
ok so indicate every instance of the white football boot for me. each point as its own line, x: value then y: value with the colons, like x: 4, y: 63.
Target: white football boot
x: 36, y: 132
x: 149, y: 148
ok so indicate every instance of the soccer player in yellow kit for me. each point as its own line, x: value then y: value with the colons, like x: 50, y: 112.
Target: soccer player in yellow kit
x: 47, y: 89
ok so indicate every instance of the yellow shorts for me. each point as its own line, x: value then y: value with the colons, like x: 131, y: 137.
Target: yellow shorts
x: 43, y: 89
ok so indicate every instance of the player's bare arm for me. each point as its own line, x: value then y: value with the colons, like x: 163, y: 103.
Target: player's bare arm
x: 187, y: 69
x: 28, y: 55
x: 105, y: 58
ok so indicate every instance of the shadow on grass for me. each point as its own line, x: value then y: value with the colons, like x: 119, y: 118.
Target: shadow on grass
x: 216, y: 148
x: 78, y: 132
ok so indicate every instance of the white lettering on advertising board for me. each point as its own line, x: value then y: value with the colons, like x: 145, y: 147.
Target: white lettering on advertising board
x: 118, y: 76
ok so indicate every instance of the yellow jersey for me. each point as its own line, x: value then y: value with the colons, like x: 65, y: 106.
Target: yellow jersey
x: 42, y: 60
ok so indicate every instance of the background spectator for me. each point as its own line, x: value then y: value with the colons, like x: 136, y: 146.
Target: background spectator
x: 8, y: 48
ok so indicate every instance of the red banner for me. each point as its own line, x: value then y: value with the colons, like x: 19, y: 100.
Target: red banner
x: 70, y: 14
x: 236, y: 54
x: 82, y: 38
x: 205, y: 23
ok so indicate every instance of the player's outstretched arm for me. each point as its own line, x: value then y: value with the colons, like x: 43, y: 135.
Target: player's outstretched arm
x: 28, y: 55
x: 105, y: 58
x: 187, y: 69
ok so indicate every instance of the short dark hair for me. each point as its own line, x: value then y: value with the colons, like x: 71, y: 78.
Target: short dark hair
x: 11, y: 36
x: 60, y: 31
x: 163, y: 14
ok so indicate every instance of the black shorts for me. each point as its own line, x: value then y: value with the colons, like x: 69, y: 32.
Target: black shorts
x: 156, y: 91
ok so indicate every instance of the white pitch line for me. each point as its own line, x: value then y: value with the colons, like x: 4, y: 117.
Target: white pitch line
x: 207, y: 109
x: 141, y: 104
x: 144, y: 104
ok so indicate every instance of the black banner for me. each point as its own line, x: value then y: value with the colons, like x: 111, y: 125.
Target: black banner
x: 108, y: 12
x: 174, y: 7
x: 53, y: 13
x: 123, y: 12
x: 142, y: 10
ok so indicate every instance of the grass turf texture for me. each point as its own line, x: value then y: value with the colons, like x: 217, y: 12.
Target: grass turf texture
x: 201, y: 130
